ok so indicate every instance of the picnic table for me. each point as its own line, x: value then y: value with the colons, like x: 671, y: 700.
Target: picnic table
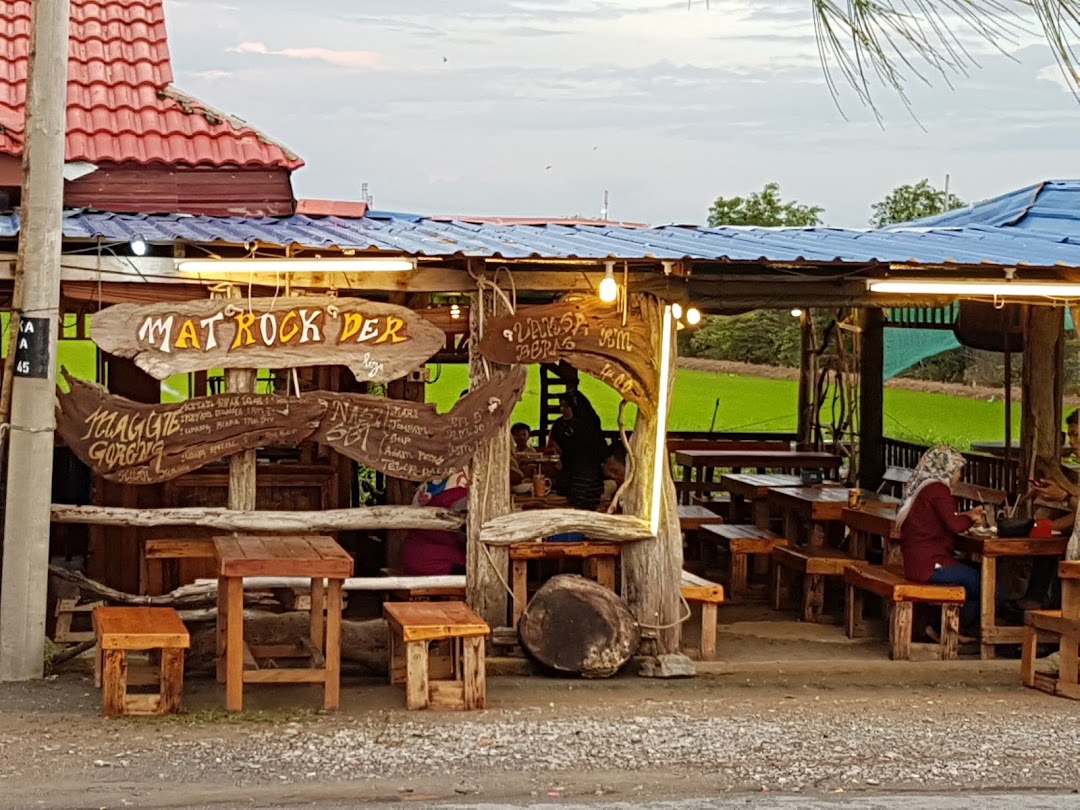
x: 692, y: 518
x: 697, y: 465
x: 815, y: 508
x: 754, y: 487
x: 311, y: 556
x: 988, y: 549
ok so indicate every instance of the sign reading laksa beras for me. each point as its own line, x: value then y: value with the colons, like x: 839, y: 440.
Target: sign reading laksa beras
x: 378, y: 342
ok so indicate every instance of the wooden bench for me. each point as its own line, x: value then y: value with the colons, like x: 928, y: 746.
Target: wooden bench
x: 741, y: 542
x: 120, y: 630
x: 456, y: 680
x: 814, y: 565
x: 708, y: 595
x: 1039, y: 627
x: 600, y: 559
x: 899, y: 595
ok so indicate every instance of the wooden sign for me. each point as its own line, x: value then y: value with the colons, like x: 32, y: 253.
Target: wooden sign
x: 410, y: 440
x: 378, y: 342
x: 588, y: 334
x: 133, y: 443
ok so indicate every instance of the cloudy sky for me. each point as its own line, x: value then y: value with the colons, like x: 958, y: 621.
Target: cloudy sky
x: 535, y: 107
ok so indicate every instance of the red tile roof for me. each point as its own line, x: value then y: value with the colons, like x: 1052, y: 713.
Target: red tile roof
x: 122, y: 106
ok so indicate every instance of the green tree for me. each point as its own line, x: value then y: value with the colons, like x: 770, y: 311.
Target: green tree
x: 765, y: 209
x: 909, y: 202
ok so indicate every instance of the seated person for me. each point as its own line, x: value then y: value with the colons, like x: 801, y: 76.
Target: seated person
x: 1044, y: 588
x: 614, y: 469
x: 521, y: 434
x: 579, y: 439
x: 929, y: 524
x: 437, y: 552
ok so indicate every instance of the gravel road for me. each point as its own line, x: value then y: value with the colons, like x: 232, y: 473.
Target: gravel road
x: 547, y: 741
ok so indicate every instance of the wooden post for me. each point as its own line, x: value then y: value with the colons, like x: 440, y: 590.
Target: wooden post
x: 242, y: 487
x: 1043, y: 383
x: 652, y: 569
x: 807, y: 382
x: 871, y: 398
x: 24, y: 592
x: 487, y: 567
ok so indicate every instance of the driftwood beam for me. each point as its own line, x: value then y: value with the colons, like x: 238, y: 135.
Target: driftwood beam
x: 367, y: 518
x: 521, y: 527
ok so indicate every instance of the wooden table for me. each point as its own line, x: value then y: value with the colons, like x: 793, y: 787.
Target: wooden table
x: 456, y: 680
x: 754, y: 487
x: 988, y: 550
x: 550, y: 501
x: 697, y: 465
x: 600, y: 559
x: 311, y: 556
x: 872, y: 519
x: 816, y: 508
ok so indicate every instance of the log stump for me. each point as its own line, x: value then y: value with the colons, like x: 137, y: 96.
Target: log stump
x: 574, y: 625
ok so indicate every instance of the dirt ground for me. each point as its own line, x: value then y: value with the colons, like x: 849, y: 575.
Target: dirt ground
x: 792, y: 711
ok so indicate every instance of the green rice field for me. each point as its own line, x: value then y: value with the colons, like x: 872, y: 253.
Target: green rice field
x: 739, y: 403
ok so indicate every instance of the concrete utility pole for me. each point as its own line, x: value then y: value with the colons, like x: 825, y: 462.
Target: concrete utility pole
x: 36, y: 305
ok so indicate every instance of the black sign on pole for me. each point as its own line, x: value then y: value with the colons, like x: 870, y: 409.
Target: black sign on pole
x: 32, y: 348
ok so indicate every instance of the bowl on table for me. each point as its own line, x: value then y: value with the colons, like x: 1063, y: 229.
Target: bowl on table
x: 1014, y: 527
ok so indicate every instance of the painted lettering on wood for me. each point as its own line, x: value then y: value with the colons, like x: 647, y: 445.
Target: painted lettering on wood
x: 378, y: 342
x: 411, y: 440
x: 134, y: 443
x: 588, y: 334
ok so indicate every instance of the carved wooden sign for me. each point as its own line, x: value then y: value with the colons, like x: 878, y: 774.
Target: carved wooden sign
x: 588, y: 334
x: 410, y: 440
x: 378, y: 342
x: 133, y: 443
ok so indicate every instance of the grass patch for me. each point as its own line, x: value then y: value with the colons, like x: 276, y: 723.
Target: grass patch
x: 759, y: 404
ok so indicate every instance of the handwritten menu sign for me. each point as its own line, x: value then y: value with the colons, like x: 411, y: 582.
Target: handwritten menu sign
x: 378, y: 342
x: 586, y: 333
x: 134, y: 443
x: 411, y: 440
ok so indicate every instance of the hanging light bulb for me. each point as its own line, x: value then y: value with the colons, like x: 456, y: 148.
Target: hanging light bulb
x: 139, y: 246
x: 455, y: 311
x: 796, y: 313
x: 609, y: 287
x: 693, y: 316
x: 676, y: 311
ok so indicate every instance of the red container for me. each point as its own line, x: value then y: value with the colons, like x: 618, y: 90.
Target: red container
x: 1043, y: 528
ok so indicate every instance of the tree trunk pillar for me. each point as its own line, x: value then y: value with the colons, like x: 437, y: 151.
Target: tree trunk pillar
x: 652, y: 569
x: 807, y: 376
x: 487, y: 567
x: 1043, y: 384
x: 242, y: 465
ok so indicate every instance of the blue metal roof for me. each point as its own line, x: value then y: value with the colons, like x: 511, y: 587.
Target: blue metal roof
x: 1051, y: 207
x: 424, y: 237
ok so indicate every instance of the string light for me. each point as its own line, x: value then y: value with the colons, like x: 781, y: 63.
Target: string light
x: 139, y: 246
x: 609, y: 287
x: 455, y: 311
x: 693, y: 316
x: 796, y: 313
x: 676, y: 310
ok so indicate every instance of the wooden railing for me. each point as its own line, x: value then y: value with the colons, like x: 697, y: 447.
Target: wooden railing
x: 992, y: 472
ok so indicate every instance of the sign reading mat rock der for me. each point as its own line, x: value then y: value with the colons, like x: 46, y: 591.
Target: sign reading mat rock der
x: 378, y: 342
x: 133, y: 443
x: 586, y: 333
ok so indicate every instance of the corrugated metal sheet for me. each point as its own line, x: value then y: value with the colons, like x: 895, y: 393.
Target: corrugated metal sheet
x: 416, y: 236
x: 1051, y: 208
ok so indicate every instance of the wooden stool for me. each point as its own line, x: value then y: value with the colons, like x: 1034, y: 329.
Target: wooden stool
x: 709, y: 595
x: 120, y: 630
x: 457, y: 681
x: 599, y: 564
x: 1044, y: 625
x: 741, y: 542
